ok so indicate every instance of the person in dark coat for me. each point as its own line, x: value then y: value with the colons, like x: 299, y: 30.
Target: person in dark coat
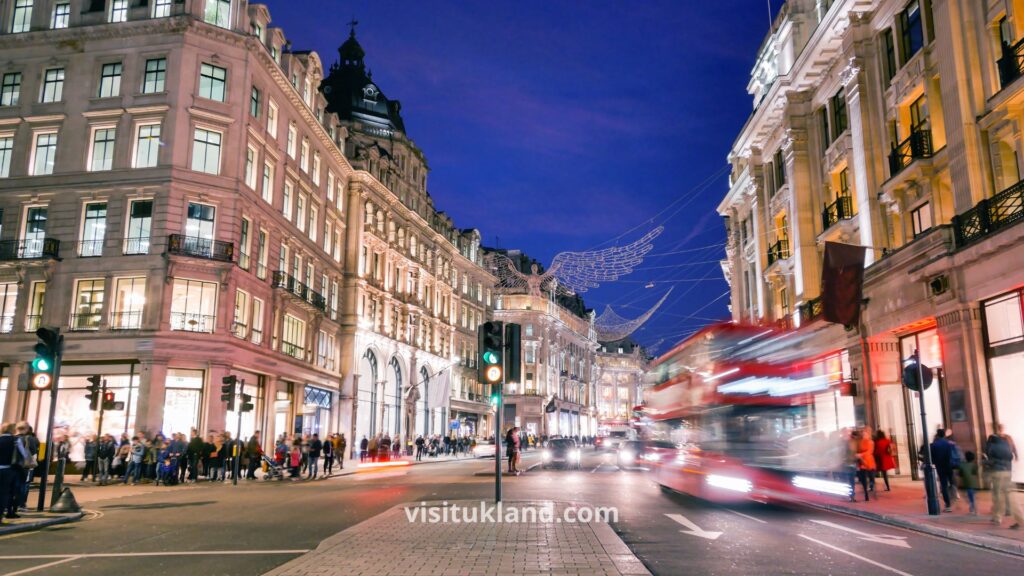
x: 944, y: 460
x: 90, y: 458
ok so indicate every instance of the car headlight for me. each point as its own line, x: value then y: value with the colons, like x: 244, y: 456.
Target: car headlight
x: 627, y: 455
x: 546, y: 455
x: 729, y: 483
x: 575, y: 454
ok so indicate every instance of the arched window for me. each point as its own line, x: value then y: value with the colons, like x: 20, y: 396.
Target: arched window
x: 371, y: 360
x: 397, y: 390
x: 425, y: 393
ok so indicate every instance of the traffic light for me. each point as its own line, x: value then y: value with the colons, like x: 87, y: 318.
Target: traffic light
x: 93, y: 393
x: 227, y: 390
x: 247, y: 405
x: 513, y: 346
x: 108, y: 400
x: 491, y: 348
x: 47, y: 350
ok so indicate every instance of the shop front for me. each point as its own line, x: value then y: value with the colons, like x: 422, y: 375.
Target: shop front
x: 1004, y: 351
x: 315, y: 416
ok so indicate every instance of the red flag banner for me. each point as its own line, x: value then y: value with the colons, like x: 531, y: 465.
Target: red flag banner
x: 842, y: 283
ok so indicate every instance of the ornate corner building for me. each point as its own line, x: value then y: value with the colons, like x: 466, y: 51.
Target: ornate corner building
x: 187, y: 197
x: 895, y: 125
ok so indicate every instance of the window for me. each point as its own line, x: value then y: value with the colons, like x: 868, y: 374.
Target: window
x: 250, y: 167
x: 155, y: 76
x: 261, y: 255
x: 240, y: 326
x: 921, y: 219
x: 34, y: 235
x: 911, y: 32
x: 293, y: 337
x: 844, y: 183
x: 919, y: 114
x: 826, y: 138
x: 330, y: 186
x: 304, y: 156
x: 94, y: 226
x: 22, y: 17
x: 313, y: 216
x: 254, y: 102
x: 61, y: 15
x: 193, y: 305
x: 8, y: 301
x: 161, y: 8
x: 44, y: 154
x: 35, y: 311
x: 889, y: 55
x: 243, y: 245
x: 118, y: 10
x: 129, y: 302
x: 212, y: 82
x: 110, y: 80
x: 140, y: 221
x: 87, y: 313
x: 286, y: 205
x: 10, y: 91
x: 282, y: 258
x: 147, y: 146
x: 218, y: 13
x: 316, y: 168
x: 6, y: 151
x: 53, y: 85
x: 779, y: 163
x: 206, y: 151
x: 325, y: 350
x: 256, y: 334
x: 337, y: 244
x: 272, y: 119
x: 840, y: 121
x: 102, y: 157
x: 292, y: 135
x: 307, y: 92
x: 328, y: 235
x: 199, y: 223
x: 268, y: 182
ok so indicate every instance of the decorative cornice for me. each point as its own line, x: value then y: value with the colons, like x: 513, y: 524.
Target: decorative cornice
x: 211, y: 116
x: 111, y: 113
x: 44, y: 119
x: 156, y: 109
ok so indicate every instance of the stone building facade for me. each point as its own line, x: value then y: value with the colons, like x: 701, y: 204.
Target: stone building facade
x: 621, y: 366
x: 891, y: 124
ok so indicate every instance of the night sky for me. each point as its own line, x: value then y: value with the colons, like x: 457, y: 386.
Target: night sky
x: 563, y: 125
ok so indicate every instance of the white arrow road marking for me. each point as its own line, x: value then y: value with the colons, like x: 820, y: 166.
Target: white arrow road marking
x: 694, y: 530
x: 898, y: 541
x: 848, y: 553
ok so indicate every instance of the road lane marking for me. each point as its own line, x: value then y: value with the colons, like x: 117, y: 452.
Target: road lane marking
x: 897, y: 541
x: 746, y: 516
x: 168, y: 553
x: 694, y: 530
x: 857, y: 556
x: 40, y: 567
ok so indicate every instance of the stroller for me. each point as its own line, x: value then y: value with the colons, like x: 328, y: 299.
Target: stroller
x: 167, y: 469
x: 274, y: 471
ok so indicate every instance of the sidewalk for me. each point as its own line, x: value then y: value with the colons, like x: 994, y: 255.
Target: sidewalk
x: 36, y: 520
x: 905, y: 507
x: 389, y: 544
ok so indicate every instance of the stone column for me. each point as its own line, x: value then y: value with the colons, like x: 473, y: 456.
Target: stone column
x: 804, y: 212
x: 349, y: 317
x: 964, y: 365
x: 214, y: 408
x: 149, y: 409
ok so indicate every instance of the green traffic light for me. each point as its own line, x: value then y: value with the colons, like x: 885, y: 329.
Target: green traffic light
x: 41, y: 365
x: 490, y: 357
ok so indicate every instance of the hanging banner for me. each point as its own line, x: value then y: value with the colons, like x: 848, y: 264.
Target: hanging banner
x: 440, y: 390
x: 842, y: 283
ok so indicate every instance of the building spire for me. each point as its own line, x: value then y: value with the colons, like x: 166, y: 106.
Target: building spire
x: 352, y: 27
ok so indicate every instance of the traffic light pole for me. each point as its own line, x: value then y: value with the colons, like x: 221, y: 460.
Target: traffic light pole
x: 49, y: 430
x: 929, y: 470
x: 238, y: 434
x: 103, y: 404
x: 497, y: 439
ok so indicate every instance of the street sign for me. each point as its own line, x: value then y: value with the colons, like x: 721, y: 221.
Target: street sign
x: 912, y: 375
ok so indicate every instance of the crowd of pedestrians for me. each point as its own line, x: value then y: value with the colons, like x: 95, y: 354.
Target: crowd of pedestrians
x: 19, y: 458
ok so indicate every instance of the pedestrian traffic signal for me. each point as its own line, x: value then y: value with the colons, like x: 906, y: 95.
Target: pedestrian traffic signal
x: 247, y: 405
x: 491, y: 348
x: 47, y: 350
x: 93, y: 393
x: 513, y: 348
x: 227, y: 390
x: 108, y: 400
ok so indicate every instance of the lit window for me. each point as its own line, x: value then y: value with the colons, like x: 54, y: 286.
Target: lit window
x: 53, y: 85
x: 110, y: 80
x: 119, y: 10
x: 272, y: 119
x: 156, y: 74
x: 243, y: 245
x: 268, y: 182
x: 250, y: 167
x: 316, y: 168
x: 300, y: 212
x: 241, y: 324
x: 129, y: 303
x: 102, y: 157
x: 22, y: 17
x: 261, y: 255
x: 206, y: 151
x: 313, y: 216
x: 94, y: 226
x: 330, y: 186
x: 6, y: 151
x: 212, y: 82
x: 218, y: 13
x: 286, y: 205
x: 87, y: 313
x: 292, y: 136
x: 10, y: 91
x: 44, y: 153
x: 161, y: 8
x: 256, y: 334
x: 921, y: 219
x: 61, y: 15
x: 147, y: 146
x: 193, y: 305
x: 140, y: 221
x: 293, y: 337
x: 254, y: 102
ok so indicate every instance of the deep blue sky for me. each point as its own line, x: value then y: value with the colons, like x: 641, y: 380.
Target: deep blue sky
x: 561, y: 125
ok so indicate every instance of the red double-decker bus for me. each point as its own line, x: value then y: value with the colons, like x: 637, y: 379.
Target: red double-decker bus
x: 752, y: 418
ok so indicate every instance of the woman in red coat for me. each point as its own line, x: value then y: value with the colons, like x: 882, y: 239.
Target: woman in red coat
x: 884, y: 451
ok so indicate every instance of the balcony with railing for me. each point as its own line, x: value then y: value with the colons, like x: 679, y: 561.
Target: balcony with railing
x: 196, y: 247
x: 990, y: 215
x: 832, y: 214
x: 126, y: 320
x: 244, y: 261
x: 917, y: 146
x: 33, y: 322
x: 29, y: 249
x: 292, y: 285
x: 256, y: 336
x: 810, y: 310
x: 86, y: 321
x: 6, y: 323
x: 90, y: 248
x: 136, y: 246
x: 188, y: 322
x: 239, y: 330
x: 1011, y: 65
x: 293, y: 350
x: 778, y: 251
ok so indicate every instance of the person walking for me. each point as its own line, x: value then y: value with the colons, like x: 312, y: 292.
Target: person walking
x: 316, y: 447
x: 884, y: 456
x: 341, y: 448
x: 944, y: 460
x: 371, y: 449
x: 865, y: 459
x: 90, y: 458
x: 971, y: 478
x: 328, y: 457
x: 999, y: 454
x: 12, y: 454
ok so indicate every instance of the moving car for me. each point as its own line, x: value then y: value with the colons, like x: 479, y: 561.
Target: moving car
x: 640, y: 454
x: 484, y: 449
x: 561, y: 451
x: 611, y: 441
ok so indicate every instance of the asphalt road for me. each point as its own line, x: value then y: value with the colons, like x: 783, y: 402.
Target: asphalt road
x: 213, y: 530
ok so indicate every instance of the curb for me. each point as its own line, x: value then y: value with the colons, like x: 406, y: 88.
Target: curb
x: 504, y: 473
x: 40, y: 523
x: 982, y: 541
